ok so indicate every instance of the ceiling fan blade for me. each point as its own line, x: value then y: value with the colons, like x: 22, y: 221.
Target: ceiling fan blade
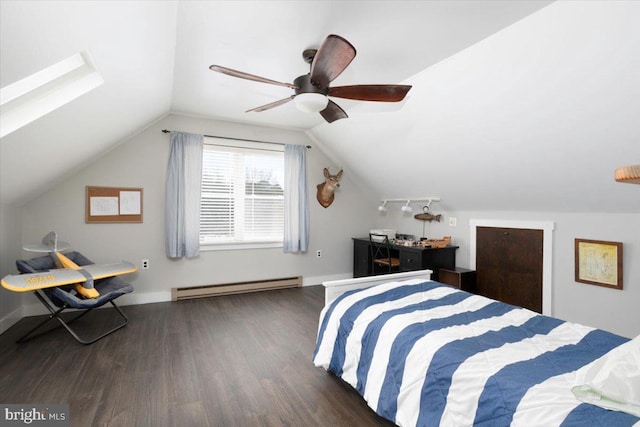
x: 247, y: 76
x: 331, y: 59
x: 384, y: 93
x: 333, y: 112
x: 271, y: 105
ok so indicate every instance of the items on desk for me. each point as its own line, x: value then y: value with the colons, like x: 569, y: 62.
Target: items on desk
x: 423, y: 243
x: 410, y: 237
x: 391, y: 234
x: 409, y: 240
x: 436, y: 243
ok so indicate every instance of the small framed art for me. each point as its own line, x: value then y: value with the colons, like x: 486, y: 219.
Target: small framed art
x: 598, y: 263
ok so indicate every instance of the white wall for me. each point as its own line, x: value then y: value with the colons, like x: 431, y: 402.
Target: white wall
x: 10, y: 228
x: 613, y: 310
x: 141, y: 162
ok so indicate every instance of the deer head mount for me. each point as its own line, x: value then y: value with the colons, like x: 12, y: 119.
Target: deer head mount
x: 328, y: 187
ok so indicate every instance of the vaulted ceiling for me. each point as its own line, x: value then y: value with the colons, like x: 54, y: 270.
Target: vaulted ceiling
x: 499, y: 116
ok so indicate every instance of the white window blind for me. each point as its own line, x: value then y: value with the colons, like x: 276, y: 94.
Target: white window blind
x: 242, y: 195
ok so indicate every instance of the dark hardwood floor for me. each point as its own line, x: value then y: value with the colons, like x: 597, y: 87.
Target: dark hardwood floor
x: 238, y: 360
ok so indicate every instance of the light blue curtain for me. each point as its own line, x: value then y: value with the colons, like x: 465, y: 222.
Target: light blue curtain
x: 182, y: 203
x: 296, y: 199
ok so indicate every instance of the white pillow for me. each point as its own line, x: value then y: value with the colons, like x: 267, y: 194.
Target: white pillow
x: 613, y: 380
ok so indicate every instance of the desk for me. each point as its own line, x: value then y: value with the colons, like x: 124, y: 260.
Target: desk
x: 411, y: 258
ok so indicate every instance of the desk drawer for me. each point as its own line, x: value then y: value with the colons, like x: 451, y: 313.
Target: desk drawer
x: 361, y: 260
x: 410, y: 261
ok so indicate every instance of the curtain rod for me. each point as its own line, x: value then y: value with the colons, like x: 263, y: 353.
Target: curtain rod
x: 238, y: 139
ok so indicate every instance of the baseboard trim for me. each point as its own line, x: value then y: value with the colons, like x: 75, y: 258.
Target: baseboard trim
x: 11, y: 319
x: 37, y: 309
x: 34, y: 308
x: 205, y: 291
x: 318, y: 280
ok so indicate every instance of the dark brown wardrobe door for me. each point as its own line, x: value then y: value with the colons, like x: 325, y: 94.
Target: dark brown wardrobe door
x: 509, y: 265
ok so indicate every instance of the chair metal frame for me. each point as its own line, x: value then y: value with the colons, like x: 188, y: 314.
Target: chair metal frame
x: 381, y: 253
x: 61, y: 298
x: 56, y: 314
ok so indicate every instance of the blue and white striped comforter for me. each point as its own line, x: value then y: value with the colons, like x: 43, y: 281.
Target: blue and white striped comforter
x: 426, y: 354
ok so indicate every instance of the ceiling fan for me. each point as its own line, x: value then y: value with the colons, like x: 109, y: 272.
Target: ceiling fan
x: 312, y: 90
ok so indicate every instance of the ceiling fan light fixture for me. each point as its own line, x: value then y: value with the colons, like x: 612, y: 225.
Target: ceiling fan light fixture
x: 312, y: 90
x: 311, y: 102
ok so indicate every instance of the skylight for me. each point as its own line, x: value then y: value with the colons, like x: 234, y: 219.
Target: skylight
x: 29, y: 99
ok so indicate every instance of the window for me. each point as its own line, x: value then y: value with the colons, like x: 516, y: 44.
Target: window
x: 34, y: 96
x: 242, y: 200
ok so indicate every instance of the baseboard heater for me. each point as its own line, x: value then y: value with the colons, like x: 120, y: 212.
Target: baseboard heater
x: 178, y: 294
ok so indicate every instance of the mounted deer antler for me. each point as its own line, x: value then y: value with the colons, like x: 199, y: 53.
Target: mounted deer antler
x: 326, y: 189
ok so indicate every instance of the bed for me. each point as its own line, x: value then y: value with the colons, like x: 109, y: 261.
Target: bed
x: 422, y: 353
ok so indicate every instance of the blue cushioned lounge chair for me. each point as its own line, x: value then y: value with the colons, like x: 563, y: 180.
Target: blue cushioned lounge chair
x: 66, y: 297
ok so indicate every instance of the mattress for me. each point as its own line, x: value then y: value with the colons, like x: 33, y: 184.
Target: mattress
x: 427, y: 354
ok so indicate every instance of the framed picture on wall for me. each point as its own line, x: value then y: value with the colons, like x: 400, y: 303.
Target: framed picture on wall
x: 598, y: 263
x: 113, y: 205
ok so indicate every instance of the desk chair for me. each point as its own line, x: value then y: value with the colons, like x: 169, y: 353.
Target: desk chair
x: 65, y: 297
x: 381, y: 257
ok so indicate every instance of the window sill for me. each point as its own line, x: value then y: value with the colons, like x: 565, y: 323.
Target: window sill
x: 236, y: 246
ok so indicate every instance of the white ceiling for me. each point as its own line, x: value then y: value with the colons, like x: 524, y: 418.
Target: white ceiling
x: 154, y: 57
x: 536, y: 117
x: 394, y: 40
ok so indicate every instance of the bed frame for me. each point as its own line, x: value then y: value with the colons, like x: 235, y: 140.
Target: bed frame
x: 335, y: 288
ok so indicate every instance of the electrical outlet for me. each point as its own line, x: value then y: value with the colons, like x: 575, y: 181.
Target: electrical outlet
x: 145, y: 264
x: 452, y: 222
x: 318, y: 253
